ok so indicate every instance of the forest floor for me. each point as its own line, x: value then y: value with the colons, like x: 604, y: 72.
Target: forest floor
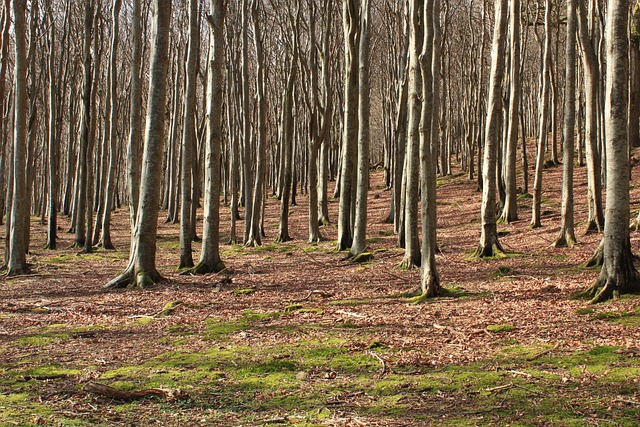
x: 292, y: 334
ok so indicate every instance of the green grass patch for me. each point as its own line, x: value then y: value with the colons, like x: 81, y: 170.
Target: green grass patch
x: 501, y: 328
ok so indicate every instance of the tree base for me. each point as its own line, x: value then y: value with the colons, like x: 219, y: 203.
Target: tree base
x: 141, y: 280
x: 205, y: 268
x: 494, y: 251
x: 597, y: 260
x: 593, y: 227
x: 566, y: 240
x: 282, y: 238
x: 408, y: 263
x: 19, y: 270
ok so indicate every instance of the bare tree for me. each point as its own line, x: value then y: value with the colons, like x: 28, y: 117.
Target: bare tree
x: 489, y: 245
x: 618, y: 273
x: 17, y: 245
x: 141, y: 271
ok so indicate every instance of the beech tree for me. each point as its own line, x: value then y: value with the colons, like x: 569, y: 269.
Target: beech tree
x: 141, y: 271
x: 17, y: 263
x: 618, y: 274
x: 489, y: 245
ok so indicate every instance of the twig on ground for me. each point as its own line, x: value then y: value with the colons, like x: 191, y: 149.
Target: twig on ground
x: 543, y: 353
x: 383, y: 371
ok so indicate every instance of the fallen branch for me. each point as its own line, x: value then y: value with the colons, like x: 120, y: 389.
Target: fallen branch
x: 127, y: 396
x: 543, y: 353
x: 349, y: 313
x: 499, y: 388
x: 383, y: 371
x: 317, y: 292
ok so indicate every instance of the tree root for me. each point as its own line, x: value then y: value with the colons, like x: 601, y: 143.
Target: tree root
x: 494, y: 251
x: 204, y: 268
x: 283, y: 238
x: 140, y: 280
x: 408, y: 263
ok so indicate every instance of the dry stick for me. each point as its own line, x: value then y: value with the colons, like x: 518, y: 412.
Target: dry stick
x: 381, y: 360
x: 542, y: 353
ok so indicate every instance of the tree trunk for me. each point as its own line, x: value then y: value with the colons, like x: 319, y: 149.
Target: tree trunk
x: 364, y: 112
x: 350, y: 133
x: 544, y: 118
x: 210, y: 256
x: 412, y: 160
x: 489, y: 245
x: 17, y: 246
x: 567, y: 233
x: 618, y: 274
x: 142, y: 271
x: 188, y: 139
x: 135, y: 115
x: 510, y: 211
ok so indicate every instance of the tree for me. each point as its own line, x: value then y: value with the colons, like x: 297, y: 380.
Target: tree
x: 351, y: 24
x: 412, y: 159
x: 543, y: 111
x: 430, y: 68
x: 489, y: 245
x: 210, y: 255
x: 567, y: 233
x: 189, y: 139
x: 109, y: 188
x: 141, y: 271
x: 135, y: 115
x: 618, y: 273
x: 17, y: 246
x: 510, y: 211
x: 364, y: 112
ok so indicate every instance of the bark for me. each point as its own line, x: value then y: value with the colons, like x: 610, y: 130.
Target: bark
x: 254, y: 237
x: 142, y: 271
x: 489, y: 245
x: 430, y: 61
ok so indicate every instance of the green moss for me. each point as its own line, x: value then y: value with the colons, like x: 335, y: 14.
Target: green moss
x: 504, y: 327
x: 584, y: 311
x: 244, y: 291
x: 43, y: 339
x: 169, y: 308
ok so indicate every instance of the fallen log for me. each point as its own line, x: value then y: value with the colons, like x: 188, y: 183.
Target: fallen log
x: 127, y: 396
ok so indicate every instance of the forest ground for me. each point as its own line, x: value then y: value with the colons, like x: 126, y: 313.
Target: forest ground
x: 292, y: 334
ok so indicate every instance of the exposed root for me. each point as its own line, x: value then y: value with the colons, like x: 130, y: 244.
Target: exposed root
x: 593, y: 227
x: 122, y: 281
x: 282, y: 238
x: 598, y: 257
x: 408, y: 263
x: 564, y: 241
x: 204, y: 268
x: 494, y: 251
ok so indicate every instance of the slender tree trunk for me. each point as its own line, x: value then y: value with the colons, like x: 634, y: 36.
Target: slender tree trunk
x: 510, y: 212
x: 188, y: 138
x: 17, y: 246
x: 110, y: 187
x: 364, y: 112
x: 489, y: 245
x: 544, y: 119
x: 142, y: 271
x: 567, y: 234
x: 412, y: 160
x: 210, y: 256
x: 135, y: 115
x: 430, y: 61
x: 350, y: 132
